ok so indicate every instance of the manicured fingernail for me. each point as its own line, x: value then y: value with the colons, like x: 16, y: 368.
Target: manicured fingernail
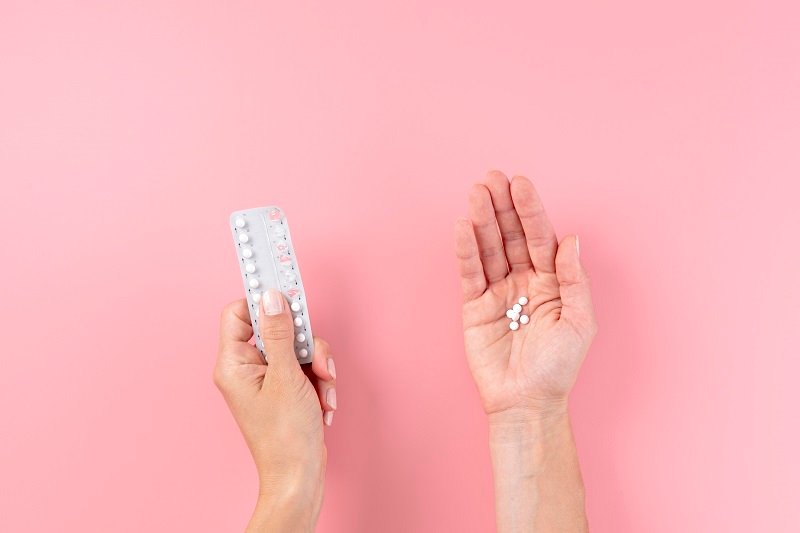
x: 577, y: 246
x: 331, y: 368
x: 330, y: 398
x: 273, y: 303
x: 328, y: 418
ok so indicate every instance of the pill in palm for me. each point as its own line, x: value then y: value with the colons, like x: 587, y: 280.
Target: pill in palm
x: 524, y: 319
x: 523, y: 300
x: 514, y: 325
x: 517, y: 308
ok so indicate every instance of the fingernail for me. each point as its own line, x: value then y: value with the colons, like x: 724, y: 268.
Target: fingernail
x: 328, y: 418
x: 331, y: 368
x: 330, y: 398
x: 273, y: 303
x: 577, y: 246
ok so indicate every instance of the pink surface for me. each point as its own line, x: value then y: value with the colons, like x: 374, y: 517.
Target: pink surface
x: 666, y: 136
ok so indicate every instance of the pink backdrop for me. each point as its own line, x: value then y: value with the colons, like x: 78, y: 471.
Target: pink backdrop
x: 666, y: 136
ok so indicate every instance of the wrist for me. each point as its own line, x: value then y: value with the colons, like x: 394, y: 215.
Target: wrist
x: 529, y: 421
x: 289, y: 499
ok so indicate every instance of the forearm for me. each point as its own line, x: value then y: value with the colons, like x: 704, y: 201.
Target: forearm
x: 537, y: 478
x: 283, y: 513
x: 289, y: 502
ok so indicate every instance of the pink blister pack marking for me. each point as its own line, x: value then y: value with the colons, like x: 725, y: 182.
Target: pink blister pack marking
x: 267, y: 259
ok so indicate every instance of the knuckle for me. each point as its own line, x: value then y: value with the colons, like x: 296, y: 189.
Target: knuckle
x: 491, y: 251
x: 220, y: 378
x: 321, y: 344
x: 276, y: 330
x: 510, y: 236
x: 229, y: 308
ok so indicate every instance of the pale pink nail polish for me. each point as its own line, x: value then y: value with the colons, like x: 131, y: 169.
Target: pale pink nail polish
x: 328, y: 418
x: 331, y: 368
x: 273, y: 303
x: 330, y: 398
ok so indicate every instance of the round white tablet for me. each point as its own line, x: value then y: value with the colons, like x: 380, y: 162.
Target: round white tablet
x: 517, y: 308
x: 301, y: 337
x: 510, y: 314
x: 298, y: 321
x: 514, y: 316
x: 253, y: 283
x: 256, y: 297
x: 247, y: 252
x: 243, y: 237
x: 514, y: 326
x: 240, y: 222
x: 303, y: 352
x: 295, y: 306
x: 523, y: 300
x: 524, y: 319
x: 250, y: 268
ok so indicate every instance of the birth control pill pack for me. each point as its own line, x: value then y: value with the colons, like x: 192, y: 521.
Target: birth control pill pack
x: 267, y: 260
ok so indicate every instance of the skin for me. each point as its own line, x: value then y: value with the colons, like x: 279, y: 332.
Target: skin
x: 280, y: 409
x: 507, y: 249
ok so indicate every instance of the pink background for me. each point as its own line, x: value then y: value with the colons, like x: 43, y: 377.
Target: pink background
x: 665, y: 135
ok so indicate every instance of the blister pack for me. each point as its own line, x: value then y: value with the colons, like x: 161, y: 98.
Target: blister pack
x: 267, y: 260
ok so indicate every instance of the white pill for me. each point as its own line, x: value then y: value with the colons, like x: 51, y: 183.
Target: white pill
x: 517, y: 308
x: 514, y: 326
x: 243, y: 237
x: 256, y: 297
x: 257, y: 309
x: 295, y: 306
x: 301, y: 337
x: 253, y: 283
x: 524, y: 319
x: 510, y: 314
x: 240, y: 222
x: 523, y: 300
x: 250, y: 268
x: 514, y: 316
x: 298, y: 321
x: 247, y: 252
x: 303, y: 352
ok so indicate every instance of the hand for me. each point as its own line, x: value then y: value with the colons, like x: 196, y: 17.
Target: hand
x: 529, y: 371
x: 279, y: 408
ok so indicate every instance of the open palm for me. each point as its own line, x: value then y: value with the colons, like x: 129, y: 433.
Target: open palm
x: 506, y: 250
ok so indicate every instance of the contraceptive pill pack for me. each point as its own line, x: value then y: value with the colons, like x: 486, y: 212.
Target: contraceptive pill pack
x: 267, y: 260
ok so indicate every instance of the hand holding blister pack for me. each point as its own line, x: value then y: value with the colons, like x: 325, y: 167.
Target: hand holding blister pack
x: 267, y: 260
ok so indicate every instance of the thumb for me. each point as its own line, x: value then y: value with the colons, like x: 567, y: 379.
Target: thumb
x: 277, y: 330
x: 576, y: 296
